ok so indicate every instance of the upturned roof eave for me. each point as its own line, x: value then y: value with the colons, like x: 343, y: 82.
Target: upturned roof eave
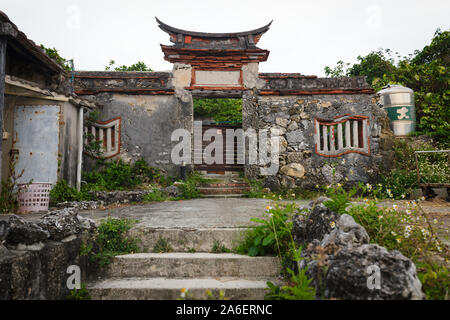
x: 170, y: 29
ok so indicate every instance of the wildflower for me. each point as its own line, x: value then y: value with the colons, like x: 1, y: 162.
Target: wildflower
x: 408, y: 211
x: 365, y: 199
x: 425, y: 232
x: 398, y: 239
x: 183, y: 292
x: 380, y: 217
x: 332, y: 224
x: 269, y: 208
x: 339, y: 185
x: 393, y: 233
x: 369, y: 186
x: 293, y: 194
x: 422, y: 198
x: 280, y: 198
x: 435, y: 221
x: 403, y: 196
x: 329, y: 186
x: 343, y: 161
x: 346, y: 179
x: 395, y: 206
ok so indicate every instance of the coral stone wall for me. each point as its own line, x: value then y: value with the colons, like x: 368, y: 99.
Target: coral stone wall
x: 293, y: 118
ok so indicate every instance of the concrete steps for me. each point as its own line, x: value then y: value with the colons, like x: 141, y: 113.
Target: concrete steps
x: 193, y: 265
x: 170, y: 289
x: 153, y: 276
x: 186, y: 239
x: 231, y: 185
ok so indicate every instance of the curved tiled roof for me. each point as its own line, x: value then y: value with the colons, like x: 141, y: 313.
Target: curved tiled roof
x: 170, y: 29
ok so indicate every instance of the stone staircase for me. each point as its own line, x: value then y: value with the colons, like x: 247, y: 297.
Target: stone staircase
x: 190, y: 265
x: 229, y: 185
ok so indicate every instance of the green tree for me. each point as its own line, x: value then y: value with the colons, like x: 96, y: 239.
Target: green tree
x: 426, y: 72
x: 221, y: 110
x: 54, y: 54
x: 139, y: 66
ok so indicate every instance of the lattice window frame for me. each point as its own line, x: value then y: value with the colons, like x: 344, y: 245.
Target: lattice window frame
x: 110, y: 128
x: 353, y: 137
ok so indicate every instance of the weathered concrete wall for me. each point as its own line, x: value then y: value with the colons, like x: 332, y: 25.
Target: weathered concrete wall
x: 151, y: 106
x: 292, y: 116
x: 8, y: 126
x: 147, y: 124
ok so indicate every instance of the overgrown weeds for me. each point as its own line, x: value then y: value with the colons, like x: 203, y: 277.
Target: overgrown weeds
x: 111, y: 239
x: 79, y: 294
x: 257, y: 190
x: 162, y: 245
x: 273, y: 235
x: 219, y: 247
x: 8, y: 192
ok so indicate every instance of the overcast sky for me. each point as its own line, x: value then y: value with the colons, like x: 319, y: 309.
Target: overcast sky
x: 305, y: 36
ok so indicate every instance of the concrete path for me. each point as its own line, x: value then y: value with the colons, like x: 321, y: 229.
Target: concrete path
x: 196, y: 213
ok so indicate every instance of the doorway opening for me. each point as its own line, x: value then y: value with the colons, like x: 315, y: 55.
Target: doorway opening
x: 217, y: 116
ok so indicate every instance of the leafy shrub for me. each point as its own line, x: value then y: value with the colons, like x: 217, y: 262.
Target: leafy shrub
x: 111, y: 240
x: 300, y: 288
x: 63, y: 192
x: 435, y: 280
x: 339, y: 197
x: 272, y: 235
x: 120, y: 176
x: 142, y: 169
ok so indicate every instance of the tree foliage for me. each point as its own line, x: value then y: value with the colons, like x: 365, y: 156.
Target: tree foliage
x: 138, y: 66
x: 221, y: 110
x: 426, y: 72
x: 54, y: 54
